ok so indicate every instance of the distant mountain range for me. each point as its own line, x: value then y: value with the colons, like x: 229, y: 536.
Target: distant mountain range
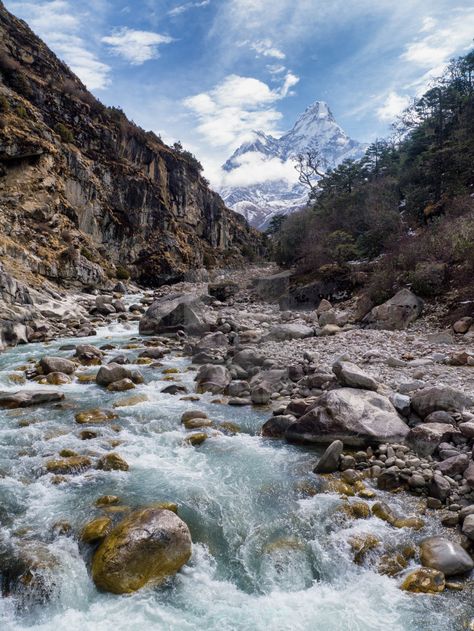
x: 315, y: 128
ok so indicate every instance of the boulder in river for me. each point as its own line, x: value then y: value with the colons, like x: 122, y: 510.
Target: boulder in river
x: 57, y: 364
x: 277, y: 426
x: 212, y: 378
x: 424, y: 580
x: 176, y: 312
x: 115, y: 372
x: 28, y: 398
x: 357, y: 417
x: 329, y: 461
x: 146, y: 548
x: 446, y: 556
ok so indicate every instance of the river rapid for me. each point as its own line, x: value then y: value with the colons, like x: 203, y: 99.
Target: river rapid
x: 266, y: 556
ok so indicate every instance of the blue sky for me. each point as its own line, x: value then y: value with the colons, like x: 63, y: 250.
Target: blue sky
x: 207, y: 72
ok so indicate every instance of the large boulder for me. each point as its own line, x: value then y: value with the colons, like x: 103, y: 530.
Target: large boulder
x: 146, y: 548
x: 176, y: 312
x: 357, y: 417
x: 348, y: 374
x: 273, y: 380
x: 28, y: 398
x: 425, y: 438
x: 248, y: 358
x: 329, y: 461
x: 57, y: 364
x: 397, y: 313
x: 436, y: 398
x: 116, y: 372
x: 445, y: 556
x: 212, y: 378
x: 223, y: 291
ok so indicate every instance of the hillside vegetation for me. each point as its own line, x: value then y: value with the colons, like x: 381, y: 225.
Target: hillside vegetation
x: 403, y: 214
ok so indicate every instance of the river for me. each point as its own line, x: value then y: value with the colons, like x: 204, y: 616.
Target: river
x: 266, y: 555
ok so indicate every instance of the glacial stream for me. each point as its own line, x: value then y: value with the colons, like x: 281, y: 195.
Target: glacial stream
x: 267, y: 555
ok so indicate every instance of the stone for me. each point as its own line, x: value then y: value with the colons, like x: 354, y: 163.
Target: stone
x: 445, y: 555
x: 146, y: 548
x: 401, y: 402
x: 389, y: 479
x: 122, y: 385
x: 197, y: 423
x: 95, y: 415
x: 57, y: 364
x: 88, y: 354
x: 350, y: 375
x: 454, y: 465
x: 271, y: 288
x: 463, y: 325
x: 467, y: 429
x: 424, y: 581
x: 439, y: 417
x: 357, y: 417
x: 212, y: 378
x: 248, y: 358
x: 468, y: 527
x: 292, y: 331
x: 260, y: 395
x: 329, y: 329
x: 130, y: 401
x: 96, y: 530
x: 397, y: 313
x: 115, y: 372
x: 58, y: 379
x: 329, y: 461
x: 175, y: 388
x: 196, y: 439
x: 277, y: 426
x: 424, y: 439
x: 112, y: 462
x: 193, y: 414
x: 176, y: 312
x: 435, y: 398
x: 439, y: 488
x: 28, y: 398
x: 238, y: 388
x: 71, y: 465
x: 469, y: 475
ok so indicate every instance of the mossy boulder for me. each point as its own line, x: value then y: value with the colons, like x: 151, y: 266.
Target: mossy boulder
x: 197, y: 423
x: 58, y: 379
x: 384, y: 512
x: 112, y: 462
x: 73, y: 464
x: 424, y: 580
x: 146, y: 548
x: 95, y: 415
x: 96, y: 530
x: 129, y: 401
x: 107, y: 500
x: 122, y: 385
x: 196, y: 439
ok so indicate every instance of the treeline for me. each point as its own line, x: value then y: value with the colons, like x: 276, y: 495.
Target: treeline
x: 404, y: 213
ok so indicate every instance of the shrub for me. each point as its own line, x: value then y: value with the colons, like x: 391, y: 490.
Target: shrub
x: 21, y: 112
x: 4, y: 104
x: 122, y: 273
x: 64, y: 132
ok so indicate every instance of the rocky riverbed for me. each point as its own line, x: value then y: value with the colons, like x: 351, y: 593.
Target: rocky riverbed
x: 290, y: 470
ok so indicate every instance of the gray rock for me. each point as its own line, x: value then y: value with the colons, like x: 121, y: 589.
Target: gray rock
x: 468, y: 526
x: 446, y: 556
x: 276, y: 426
x: 357, y: 417
x: 28, y: 398
x: 57, y: 364
x: 238, y: 388
x: 272, y: 287
x: 436, y: 398
x: 439, y: 488
x: 260, y: 395
x: 212, y: 378
x: 350, y: 375
x: 401, y: 402
x: 469, y: 475
x: 454, y: 465
x: 329, y: 461
x: 424, y: 439
x: 176, y: 312
x: 248, y: 358
x: 397, y: 313
x: 439, y: 417
x: 116, y: 372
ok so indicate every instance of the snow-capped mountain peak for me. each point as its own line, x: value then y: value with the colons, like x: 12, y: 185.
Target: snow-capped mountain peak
x: 315, y: 129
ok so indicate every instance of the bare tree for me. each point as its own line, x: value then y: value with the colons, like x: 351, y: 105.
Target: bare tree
x: 308, y: 166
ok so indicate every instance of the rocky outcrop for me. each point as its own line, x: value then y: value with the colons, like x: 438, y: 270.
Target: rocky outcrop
x: 86, y: 194
x: 176, y: 312
x: 397, y: 313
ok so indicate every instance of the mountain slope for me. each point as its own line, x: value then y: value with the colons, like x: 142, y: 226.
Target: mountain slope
x: 85, y: 193
x: 316, y: 129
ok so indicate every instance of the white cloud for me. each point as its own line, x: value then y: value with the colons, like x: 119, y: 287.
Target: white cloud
x: 393, y: 105
x: 275, y: 68
x: 136, y: 46
x: 254, y: 168
x: 182, y: 8
x: 266, y: 48
x: 61, y: 25
x: 229, y: 113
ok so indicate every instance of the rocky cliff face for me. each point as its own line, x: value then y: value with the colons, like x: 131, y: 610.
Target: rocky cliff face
x: 85, y: 194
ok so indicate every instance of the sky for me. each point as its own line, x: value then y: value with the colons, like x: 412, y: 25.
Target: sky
x: 209, y: 72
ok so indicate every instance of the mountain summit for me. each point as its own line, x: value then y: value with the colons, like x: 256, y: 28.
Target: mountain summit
x: 315, y: 128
